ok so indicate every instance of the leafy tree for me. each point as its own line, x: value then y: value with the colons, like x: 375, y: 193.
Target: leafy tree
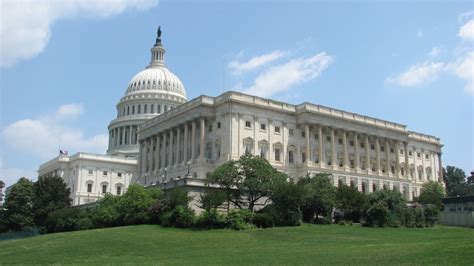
x: 453, y: 177
x: 377, y: 214
x: 227, y: 177
x: 470, y: 179
x: 2, y: 184
x: 319, y: 196
x: 134, y: 204
x: 377, y: 202
x: 51, y: 193
x: 18, y: 213
x: 351, y: 201
x: 431, y: 193
x: 106, y: 214
x: 287, y: 199
x: 211, y: 199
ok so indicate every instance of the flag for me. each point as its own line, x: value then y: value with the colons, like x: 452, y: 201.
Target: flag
x: 61, y: 152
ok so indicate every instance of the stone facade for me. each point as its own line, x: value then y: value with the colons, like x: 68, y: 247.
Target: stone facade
x: 194, y: 138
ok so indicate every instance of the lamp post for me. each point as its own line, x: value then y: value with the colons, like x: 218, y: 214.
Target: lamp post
x: 189, y: 164
x: 145, y: 178
x: 166, y: 169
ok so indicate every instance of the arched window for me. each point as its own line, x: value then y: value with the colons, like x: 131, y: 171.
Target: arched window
x: 104, y: 186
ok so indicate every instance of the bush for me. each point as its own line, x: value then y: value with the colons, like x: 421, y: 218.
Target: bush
x: 419, y: 217
x: 431, y: 215
x: 263, y: 220
x: 322, y: 220
x: 105, y: 214
x: 134, y: 204
x: 240, y: 219
x: 180, y: 217
x: 68, y: 219
x: 210, y: 220
x: 377, y: 214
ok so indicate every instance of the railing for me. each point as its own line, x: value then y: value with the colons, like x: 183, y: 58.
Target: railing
x: 20, y: 234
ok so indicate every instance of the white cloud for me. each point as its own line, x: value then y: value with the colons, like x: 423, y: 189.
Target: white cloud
x: 466, y: 32
x: 25, y: 25
x: 419, y: 33
x: 463, y: 68
x: 418, y: 74
x: 435, y: 51
x: 255, y: 62
x: 466, y: 15
x: 42, y: 137
x: 11, y: 175
x: 282, y: 77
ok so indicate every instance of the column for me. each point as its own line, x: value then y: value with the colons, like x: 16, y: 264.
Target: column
x: 140, y: 159
x: 322, y: 155
x: 377, y: 156
x: 333, y: 150
x: 410, y: 192
x: 201, y: 139
x: 157, y: 153
x: 416, y: 167
x: 178, y: 148
x: 397, y: 159
x: 110, y: 138
x: 407, y: 165
x: 185, y: 146
x: 145, y: 156
x: 193, y: 140
x: 388, y: 168
x: 308, y: 149
x: 440, y: 165
x: 423, y: 171
x: 130, y: 135
x: 170, y: 152
x: 150, y: 157
x: 163, y: 150
x: 370, y: 185
x: 123, y: 135
x: 346, y: 155
x: 356, y: 151
x: 368, y: 167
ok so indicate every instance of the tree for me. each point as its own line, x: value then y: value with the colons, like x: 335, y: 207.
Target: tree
x: 384, y: 207
x: 470, y: 179
x: 211, y: 199
x: 51, y: 193
x: 287, y: 199
x: 453, y: 177
x: 2, y: 184
x: 18, y: 213
x: 351, y: 201
x: 227, y: 177
x: 134, y: 204
x: 431, y: 193
x: 319, y: 196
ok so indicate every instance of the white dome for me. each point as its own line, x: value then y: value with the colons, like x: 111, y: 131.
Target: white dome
x: 156, y: 79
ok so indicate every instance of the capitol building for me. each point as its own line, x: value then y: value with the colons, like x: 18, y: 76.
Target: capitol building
x: 160, y: 139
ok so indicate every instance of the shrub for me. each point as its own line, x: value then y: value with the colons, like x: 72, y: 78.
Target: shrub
x: 431, y: 214
x: 419, y: 217
x: 240, y: 219
x: 181, y: 217
x: 134, y: 204
x: 322, y: 220
x: 67, y: 219
x: 263, y: 220
x: 210, y: 220
x: 351, y: 201
x: 105, y: 214
x: 377, y: 214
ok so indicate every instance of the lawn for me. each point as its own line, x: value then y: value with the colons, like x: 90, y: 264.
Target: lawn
x: 307, y: 244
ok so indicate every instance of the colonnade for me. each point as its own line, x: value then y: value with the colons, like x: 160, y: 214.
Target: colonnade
x: 123, y: 135
x: 173, y: 147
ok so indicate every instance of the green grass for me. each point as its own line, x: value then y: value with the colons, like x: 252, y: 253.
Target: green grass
x: 307, y: 244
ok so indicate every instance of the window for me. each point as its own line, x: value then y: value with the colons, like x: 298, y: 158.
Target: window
x: 401, y: 151
x: 263, y: 127
x: 382, y: 148
x: 139, y: 109
x: 133, y: 109
x: 248, y: 149
x: 362, y: 145
x: 328, y: 138
x: 290, y: 157
x: 351, y: 143
x: 128, y: 110
x: 392, y: 150
x: 277, y: 154
x: 89, y: 188
x: 152, y: 109
x: 104, y: 173
x: 104, y: 188
x: 145, y: 109
x: 277, y: 129
x: 303, y: 157
x: 290, y: 131
x: 427, y: 156
x: 210, y: 128
x: 166, y: 108
x: 159, y: 108
x: 119, y: 190
x: 91, y: 172
x: 218, y: 124
x: 316, y: 136
x: 263, y: 152
x: 410, y: 153
x: 303, y: 134
x: 119, y: 174
x: 372, y: 146
x: 248, y: 124
x: 340, y: 141
x: 418, y: 155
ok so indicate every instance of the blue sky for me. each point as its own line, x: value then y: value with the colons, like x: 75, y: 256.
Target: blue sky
x: 64, y: 65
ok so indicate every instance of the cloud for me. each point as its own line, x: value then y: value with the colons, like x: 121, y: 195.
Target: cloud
x: 11, y: 175
x: 419, y: 34
x: 417, y: 75
x: 282, y: 77
x: 463, y: 68
x: 435, y: 51
x: 42, y: 137
x: 25, y: 26
x: 466, y: 32
x: 255, y: 62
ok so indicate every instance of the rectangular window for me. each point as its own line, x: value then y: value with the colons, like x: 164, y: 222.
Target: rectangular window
x: 139, y: 109
x: 128, y: 110
x: 303, y: 134
x: 372, y: 146
x: 382, y: 148
x: 290, y: 132
x: 263, y: 127
x: 362, y: 145
x: 89, y: 188
x: 91, y: 172
x: 290, y: 157
x: 328, y: 138
x: 248, y: 124
x: 277, y: 154
x: 133, y: 109
x: 210, y: 128
x: 418, y: 155
x: 392, y: 150
x: 303, y: 157
x: 340, y: 141
x: 104, y: 189
x: 351, y: 143
x: 410, y: 153
x: 145, y: 109
x: 119, y: 174
x: 119, y: 190
x: 401, y: 151
x: 104, y: 173
x: 316, y: 136
x: 427, y: 156
x: 159, y: 108
x: 218, y: 124
x: 152, y: 108
x: 277, y: 129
